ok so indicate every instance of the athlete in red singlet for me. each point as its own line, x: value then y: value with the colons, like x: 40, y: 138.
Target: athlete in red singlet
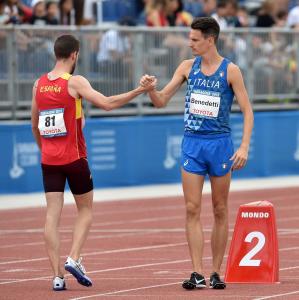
x: 57, y: 120
x: 61, y: 117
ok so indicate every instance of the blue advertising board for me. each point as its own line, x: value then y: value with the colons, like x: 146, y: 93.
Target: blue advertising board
x: 146, y: 150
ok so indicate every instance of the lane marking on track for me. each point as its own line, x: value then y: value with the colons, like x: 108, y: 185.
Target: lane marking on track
x: 102, y: 252
x: 119, y: 251
x: 277, y: 295
x: 281, y: 232
x: 96, y: 237
x: 120, y: 268
x: 289, y: 249
x: 124, y: 291
x: 105, y: 270
x: 289, y: 268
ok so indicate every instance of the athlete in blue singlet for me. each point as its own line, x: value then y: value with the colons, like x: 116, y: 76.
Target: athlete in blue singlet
x: 207, y: 148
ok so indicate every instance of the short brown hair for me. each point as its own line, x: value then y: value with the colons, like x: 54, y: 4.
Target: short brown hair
x: 65, y: 45
x: 208, y: 26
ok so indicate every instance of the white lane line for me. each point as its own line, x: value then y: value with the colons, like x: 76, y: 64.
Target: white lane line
x: 119, y: 269
x: 281, y: 232
x: 101, y: 252
x: 118, y: 251
x: 124, y: 291
x: 91, y: 237
x: 289, y: 249
x: 290, y: 268
x: 277, y: 295
x: 105, y: 270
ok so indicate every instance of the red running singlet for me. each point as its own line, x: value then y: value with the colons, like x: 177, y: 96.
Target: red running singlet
x: 60, y: 122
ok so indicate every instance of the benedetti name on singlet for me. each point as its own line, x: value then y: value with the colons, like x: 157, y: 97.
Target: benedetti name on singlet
x: 208, y: 100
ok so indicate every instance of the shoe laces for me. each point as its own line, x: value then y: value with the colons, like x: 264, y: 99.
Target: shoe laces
x: 216, y: 276
x: 196, y: 275
x: 58, y: 281
x: 80, y: 266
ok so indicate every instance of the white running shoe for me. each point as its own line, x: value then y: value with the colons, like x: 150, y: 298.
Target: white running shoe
x: 77, y: 270
x: 59, y: 284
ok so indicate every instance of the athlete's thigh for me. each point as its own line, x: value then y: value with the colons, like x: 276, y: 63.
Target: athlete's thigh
x: 53, y: 178
x: 79, y: 177
x: 220, y: 188
x: 192, y: 187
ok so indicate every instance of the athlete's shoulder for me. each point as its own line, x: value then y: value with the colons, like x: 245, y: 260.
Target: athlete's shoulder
x: 232, y: 67
x: 233, y: 73
x: 77, y: 79
x: 40, y: 79
x: 185, y: 66
x: 36, y: 83
x: 187, y: 63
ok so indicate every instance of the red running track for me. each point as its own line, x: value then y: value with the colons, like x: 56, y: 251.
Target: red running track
x: 137, y: 250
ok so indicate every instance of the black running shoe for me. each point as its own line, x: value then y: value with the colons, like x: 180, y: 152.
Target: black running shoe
x: 196, y: 281
x: 216, y: 282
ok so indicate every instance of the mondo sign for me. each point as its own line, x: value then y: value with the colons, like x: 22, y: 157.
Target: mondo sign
x: 253, y: 254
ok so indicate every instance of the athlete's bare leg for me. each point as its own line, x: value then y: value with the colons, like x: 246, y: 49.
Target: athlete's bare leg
x: 82, y: 224
x: 192, y: 187
x: 51, y: 233
x: 220, y: 190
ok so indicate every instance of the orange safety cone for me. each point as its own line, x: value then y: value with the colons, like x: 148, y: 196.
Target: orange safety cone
x: 253, y: 254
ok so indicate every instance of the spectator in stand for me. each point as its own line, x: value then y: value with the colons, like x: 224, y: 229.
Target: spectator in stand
x: 52, y: 12
x: 226, y: 14
x: 90, y: 12
x: 155, y: 11
x: 4, y: 16
x: 39, y: 13
x: 266, y: 14
x: 243, y: 17
x: 115, y: 54
x: 293, y: 17
x: 232, y: 8
x: 79, y: 11
x: 194, y: 7
x: 221, y: 14
x: 281, y: 18
x: 17, y: 11
x: 176, y: 15
x: 67, y: 13
x: 208, y: 8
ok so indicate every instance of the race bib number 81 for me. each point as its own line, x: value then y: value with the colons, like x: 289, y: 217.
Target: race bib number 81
x: 205, y: 104
x: 51, y: 123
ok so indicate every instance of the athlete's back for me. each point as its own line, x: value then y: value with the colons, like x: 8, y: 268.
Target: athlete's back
x: 60, y: 121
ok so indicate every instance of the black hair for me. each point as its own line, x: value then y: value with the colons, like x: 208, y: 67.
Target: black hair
x: 208, y: 26
x: 65, y: 45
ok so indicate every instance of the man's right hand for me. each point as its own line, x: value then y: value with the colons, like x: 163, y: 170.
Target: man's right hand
x: 148, y: 82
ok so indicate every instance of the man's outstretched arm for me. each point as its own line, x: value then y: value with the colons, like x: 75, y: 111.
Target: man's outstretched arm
x: 82, y: 87
x: 161, y: 98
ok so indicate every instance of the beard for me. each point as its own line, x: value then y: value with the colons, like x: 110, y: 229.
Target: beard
x: 73, y: 68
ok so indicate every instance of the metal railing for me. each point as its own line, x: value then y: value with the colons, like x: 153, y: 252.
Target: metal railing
x: 268, y: 59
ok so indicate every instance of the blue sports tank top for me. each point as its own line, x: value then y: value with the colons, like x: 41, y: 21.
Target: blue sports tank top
x: 208, y: 100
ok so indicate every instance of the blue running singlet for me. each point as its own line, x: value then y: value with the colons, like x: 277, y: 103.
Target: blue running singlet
x: 207, y: 146
x: 208, y: 100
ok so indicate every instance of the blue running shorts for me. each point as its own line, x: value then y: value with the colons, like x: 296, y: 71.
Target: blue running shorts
x: 207, y: 154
